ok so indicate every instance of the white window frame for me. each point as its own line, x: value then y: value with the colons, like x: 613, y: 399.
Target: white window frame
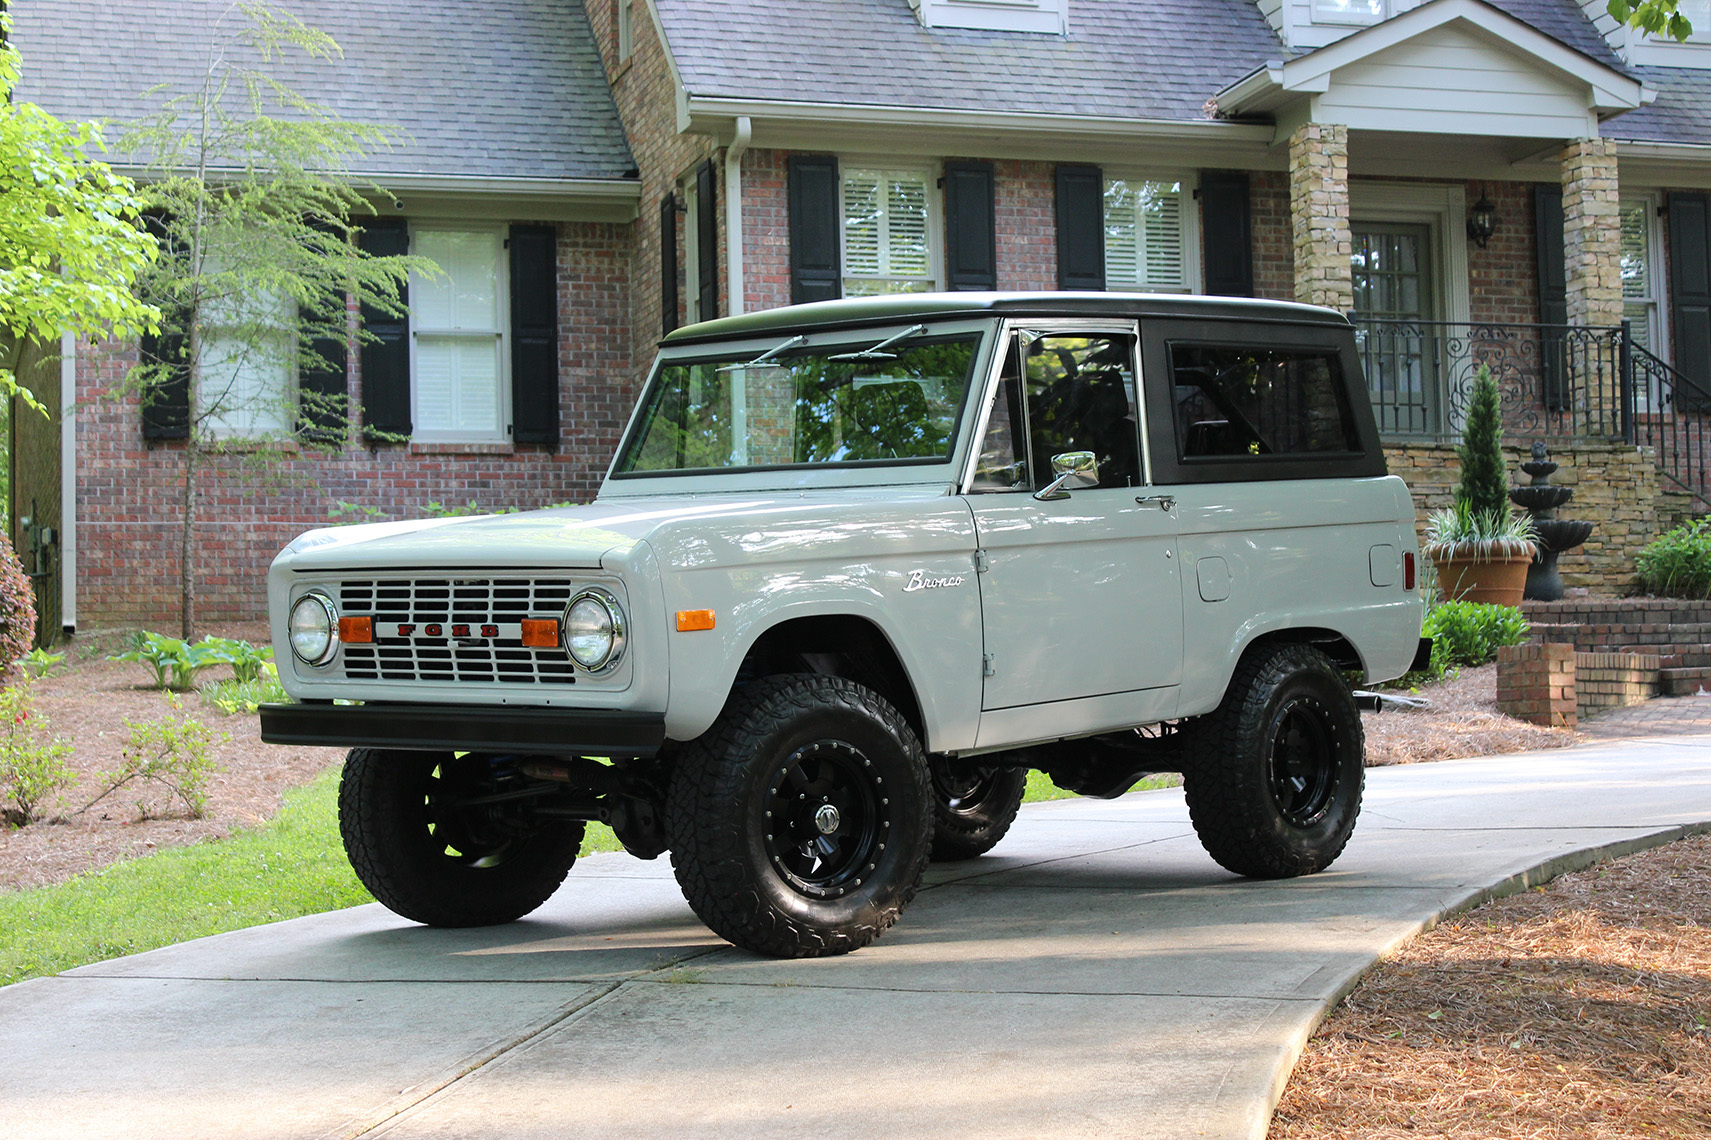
x: 1350, y: 18
x: 501, y: 335
x: 1193, y: 280
x: 626, y: 28
x: 285, y: 400
x: 1652, y: 200
x: 933, y: 174
x: 689, y: 235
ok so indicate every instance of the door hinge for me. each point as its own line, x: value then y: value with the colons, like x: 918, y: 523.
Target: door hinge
x: 982, y: 563
x: 988, y: 668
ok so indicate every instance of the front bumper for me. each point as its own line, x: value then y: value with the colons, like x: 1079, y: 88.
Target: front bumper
x: 467, y: 728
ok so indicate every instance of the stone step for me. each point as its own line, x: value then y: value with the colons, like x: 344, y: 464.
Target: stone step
x: 1684, y: 682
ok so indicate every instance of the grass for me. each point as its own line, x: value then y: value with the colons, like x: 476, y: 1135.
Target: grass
x: 293, y: 865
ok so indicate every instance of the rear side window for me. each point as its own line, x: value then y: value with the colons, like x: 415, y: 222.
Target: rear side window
x: 1238, y: 401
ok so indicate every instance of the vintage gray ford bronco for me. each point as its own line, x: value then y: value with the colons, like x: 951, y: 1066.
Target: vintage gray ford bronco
x: 856, y: 568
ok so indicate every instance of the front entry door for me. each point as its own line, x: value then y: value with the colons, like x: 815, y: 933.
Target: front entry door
x: 1392, y: 266
x: 1080, y: 596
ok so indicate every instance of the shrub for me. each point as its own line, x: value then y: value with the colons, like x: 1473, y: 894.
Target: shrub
x: 32, y: 766
x: 1471, y: 633
x: 17, y: 608
x: 1677, y: 564
x: 162, y: 760
x: 234, y: 697
x: 39, y: 663
x: 176, y: 664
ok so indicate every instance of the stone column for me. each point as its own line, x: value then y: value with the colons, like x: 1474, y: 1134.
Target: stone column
x: 1319, y: 210
x: 1592, y: 232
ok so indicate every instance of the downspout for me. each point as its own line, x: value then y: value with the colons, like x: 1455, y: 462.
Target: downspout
x: 734, y: 211
x: 68, y: 483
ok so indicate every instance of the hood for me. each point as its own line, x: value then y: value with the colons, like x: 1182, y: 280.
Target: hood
x: 564, y: 537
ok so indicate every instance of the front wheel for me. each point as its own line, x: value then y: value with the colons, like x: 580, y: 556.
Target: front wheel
x: 1274, y: 776
x: 423, y: 844
x: 800, y: 823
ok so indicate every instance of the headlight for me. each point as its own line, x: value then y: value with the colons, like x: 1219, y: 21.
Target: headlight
x: 594, y: 630
x: 312, y: 629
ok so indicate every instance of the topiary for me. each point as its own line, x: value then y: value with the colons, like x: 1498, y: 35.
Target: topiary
x: 1483, y: 487
x: 17, y: 610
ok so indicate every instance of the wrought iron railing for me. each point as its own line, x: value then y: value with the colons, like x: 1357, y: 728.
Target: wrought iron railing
x: 1557, y: 382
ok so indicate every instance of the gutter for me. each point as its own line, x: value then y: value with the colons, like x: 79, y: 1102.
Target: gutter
x: 734, y: 212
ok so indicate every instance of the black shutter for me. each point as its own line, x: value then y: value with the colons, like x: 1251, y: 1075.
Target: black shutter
x: 1226, y: 221
x: 386, y: 358
x: 321, y: 387
x: 1690, y: 295
x: 668, y: 299
x: 166, y: 401
x: 1553, y: 290
x: 534, y: 334
x: 816, y: 254
x: 1080, y: 227
x: 706, y: 242
x: 971, y: 229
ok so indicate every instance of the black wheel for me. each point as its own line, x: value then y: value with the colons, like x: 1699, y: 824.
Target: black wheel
x: 1274, y: 777
x: 974, y: 804
x: 799, y: 824
x: 428, y: 853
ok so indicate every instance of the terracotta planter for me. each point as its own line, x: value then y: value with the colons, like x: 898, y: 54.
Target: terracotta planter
x: 1499, y: 580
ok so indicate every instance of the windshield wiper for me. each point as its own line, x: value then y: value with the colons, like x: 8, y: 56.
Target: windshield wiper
x: 877, y: 352
x: 765, y: 356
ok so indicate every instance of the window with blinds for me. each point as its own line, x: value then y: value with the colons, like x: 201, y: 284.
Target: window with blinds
x: 458, y: 321
x: 1146, y: 236
x: 887, y: 231
x: 1639, y: 289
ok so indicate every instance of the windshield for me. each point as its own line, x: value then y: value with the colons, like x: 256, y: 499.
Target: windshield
x: 790, y: 406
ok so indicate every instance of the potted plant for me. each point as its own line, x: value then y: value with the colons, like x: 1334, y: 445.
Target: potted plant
x: 1480, y: 547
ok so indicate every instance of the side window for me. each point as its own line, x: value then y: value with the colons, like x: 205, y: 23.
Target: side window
x: 1062, y: 392
x: 1239, y: 401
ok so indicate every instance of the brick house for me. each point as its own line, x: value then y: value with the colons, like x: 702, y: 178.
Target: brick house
x: 694, y: 159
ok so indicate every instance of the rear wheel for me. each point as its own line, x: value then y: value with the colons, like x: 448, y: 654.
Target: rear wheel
x: 1274, y: 777
x: 424, y: 844
x: 799, y: 824
x: 974, y: 805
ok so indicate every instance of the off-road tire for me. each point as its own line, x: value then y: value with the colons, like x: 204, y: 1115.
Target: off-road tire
x: 743, y: 829
x: 432, y: 863
x: 1274, y: 776
x: 973, y: 807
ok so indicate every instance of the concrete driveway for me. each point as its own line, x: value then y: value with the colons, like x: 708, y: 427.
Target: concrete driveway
x: 1097, y: 976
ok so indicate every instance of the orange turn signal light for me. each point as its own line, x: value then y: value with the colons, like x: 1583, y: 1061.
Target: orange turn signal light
x: 688, y: 621
x: 356, y: 630
x: 540, y: 633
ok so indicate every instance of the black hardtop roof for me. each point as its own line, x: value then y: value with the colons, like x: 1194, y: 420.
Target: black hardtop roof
x: 892, y: 308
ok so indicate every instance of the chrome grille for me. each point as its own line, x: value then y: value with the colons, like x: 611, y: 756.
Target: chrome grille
x: 424, y: 602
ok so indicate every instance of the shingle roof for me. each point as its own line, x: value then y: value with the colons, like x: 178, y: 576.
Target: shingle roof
x: 1157, y: 59
x: 1682, y: 113
x: 1565, y: 21
x: 480, y: 88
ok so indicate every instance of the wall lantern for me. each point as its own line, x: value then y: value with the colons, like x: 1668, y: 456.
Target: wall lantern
x: 1482, y: 220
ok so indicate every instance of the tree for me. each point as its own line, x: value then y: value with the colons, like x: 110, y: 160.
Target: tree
x: 1659, y: 17
x: 69, y: 243
x: 248, y: 192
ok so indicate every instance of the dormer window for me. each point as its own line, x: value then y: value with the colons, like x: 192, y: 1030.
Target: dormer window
x: 1050, y: 17
x: 1348, y: 11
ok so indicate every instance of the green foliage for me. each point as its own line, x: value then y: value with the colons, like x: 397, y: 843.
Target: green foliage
x: 1470, y: 633
x: 1658, y: 17
x: 1677, y: 564
x: 291, y: 866
x: 1483, y: 487
x: 69, y: 242
x: 244, y: 697
x: 38, y: 663
x: 1462, y: 532
x: 342, y: 512
x: 162, y: 761
x: 248, y: 661
x: 172, y: 661
x: 32, y: 765
x: 17, y: 607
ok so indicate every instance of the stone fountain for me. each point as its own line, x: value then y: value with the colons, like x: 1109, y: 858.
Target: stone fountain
x: 1540, y: 499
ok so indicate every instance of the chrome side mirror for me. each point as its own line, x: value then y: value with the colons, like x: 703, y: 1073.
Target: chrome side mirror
x: 1074, y: 469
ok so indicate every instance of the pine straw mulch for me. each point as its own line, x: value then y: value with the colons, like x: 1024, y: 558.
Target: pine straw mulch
x: 1463, y: 721
x: 1579, y: 1009
x: 87, y: 703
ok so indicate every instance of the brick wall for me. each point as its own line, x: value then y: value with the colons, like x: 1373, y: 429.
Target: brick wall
x: 1616, y: 487
x: 130, y: 495
x: 766, y: 229
x: 1503, y: 278
x: 1273, y: 239
x: 1536, y: 684
x: 1026, y: 199
x: 1613, y: 680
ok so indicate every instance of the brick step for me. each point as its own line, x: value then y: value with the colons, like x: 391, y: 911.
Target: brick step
x: 1624, y: 638
x: 1669, y: 655
x: 1684, y: 682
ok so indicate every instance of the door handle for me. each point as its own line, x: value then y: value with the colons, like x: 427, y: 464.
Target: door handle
x: 1163, y: 502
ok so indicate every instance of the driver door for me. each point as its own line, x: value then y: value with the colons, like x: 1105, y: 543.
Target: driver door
x: 1080, y: 593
